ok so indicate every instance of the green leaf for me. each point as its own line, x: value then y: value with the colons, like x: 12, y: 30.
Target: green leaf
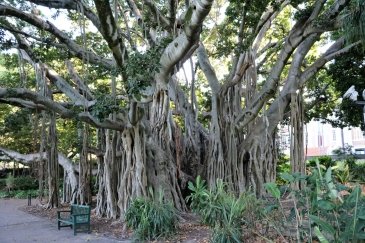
x: 287, y: 177
x: 326, y: 205
x: 191, y: 186
x: 273, y: 189
x: 322, y: 224
x: 360, y: 236
x: 320, y: 236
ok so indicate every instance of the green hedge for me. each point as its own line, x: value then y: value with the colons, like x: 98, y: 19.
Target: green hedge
x: 20, y: 194
x: 21, y: 183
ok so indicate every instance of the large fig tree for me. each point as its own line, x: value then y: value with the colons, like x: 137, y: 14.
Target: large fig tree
x: 173, y: 88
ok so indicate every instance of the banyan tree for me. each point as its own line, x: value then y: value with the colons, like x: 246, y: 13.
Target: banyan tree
x: 158, y: 92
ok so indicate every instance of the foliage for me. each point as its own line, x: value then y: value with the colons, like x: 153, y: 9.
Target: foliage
x: 329, y: 86
x: 358, y: 173
x: 19, y: 194
x: 325, y: 161
x: 199, y: 194
x: 335, y: 216
x: 105, y: 105
x: 283, y: 166
x: 19, y: 183
x: 16, y: 130
x: 141, y: 67
x: 354, y: 19
x: 343, y: 175
x: 151, y: 219
x: 221, y: 210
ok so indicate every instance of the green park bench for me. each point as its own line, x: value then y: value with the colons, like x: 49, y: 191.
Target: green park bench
x: 78, y: 218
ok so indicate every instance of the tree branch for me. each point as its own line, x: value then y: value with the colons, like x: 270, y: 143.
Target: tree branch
x: 71, y: 5
x: 208, y: 69
x: 157, y: 13
x: 73, y: 47
x: 109, y: 31
x: 301, y: 30
x: 177, y: 49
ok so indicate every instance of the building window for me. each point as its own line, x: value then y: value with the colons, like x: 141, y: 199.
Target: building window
x: 320, y: 141
x: 334, y: 135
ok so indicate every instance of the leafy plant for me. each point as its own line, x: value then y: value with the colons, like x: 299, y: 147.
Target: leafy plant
x: 219, y: 209
x: 198, y: 196
x: 20, y: 194
x: 283, y: 166
x: 151, y: 219
x: 343, y: 175
x: 105, y: 105
x: 325, y: 161
x: 334, y: 217
x: 25, y: 183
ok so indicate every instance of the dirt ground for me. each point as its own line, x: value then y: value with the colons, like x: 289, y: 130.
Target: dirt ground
x: 189, y: 228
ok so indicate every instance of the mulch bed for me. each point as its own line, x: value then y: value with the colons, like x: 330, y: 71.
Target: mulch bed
x: 189, y: 228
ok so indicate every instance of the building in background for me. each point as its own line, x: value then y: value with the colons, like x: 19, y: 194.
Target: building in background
x: 322, y: 138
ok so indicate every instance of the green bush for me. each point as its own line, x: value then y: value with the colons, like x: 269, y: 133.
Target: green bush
x: 151, y: 219
x: 226, y: 234
x: 2, y: 184
x: 219, y: 209
x: 333, y: 216
x: 19, y: 194
x: 19, y: 183
x: 358, y: 172
x: 25, y: 183
x: 325, y: 161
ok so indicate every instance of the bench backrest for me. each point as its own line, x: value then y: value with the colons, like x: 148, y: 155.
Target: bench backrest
x: 80, y: 209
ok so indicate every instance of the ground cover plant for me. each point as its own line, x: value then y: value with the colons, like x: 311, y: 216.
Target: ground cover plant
x: 151, y: 218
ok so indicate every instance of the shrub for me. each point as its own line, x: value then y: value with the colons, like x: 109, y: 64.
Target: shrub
x: 2, y: 184
x: 151, y: 219
x: 333, y: 216
x: 219, y: 209
x: 358, y: 172
x: 226, y: 234
x: 326, y: 161
x: 20, y: 194
x: 25, y: 183
x: 198, y: 196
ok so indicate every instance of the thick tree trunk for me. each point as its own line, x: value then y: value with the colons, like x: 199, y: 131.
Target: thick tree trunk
x: 162, y: 168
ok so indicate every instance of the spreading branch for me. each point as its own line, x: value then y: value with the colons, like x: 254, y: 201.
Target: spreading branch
x: 74, y: 48
x: 182, y: 44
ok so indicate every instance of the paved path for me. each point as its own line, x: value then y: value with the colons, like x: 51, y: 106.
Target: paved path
x: 18, y: 226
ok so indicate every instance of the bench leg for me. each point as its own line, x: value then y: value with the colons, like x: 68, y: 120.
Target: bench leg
x: 59, y: 224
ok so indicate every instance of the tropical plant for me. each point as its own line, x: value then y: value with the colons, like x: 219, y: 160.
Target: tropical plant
x: 221, y: 210
x: 334, y: 216
x: 151, y: 218
x: 199, y: 194
x: 343, y: 174
x: 325, y: 161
